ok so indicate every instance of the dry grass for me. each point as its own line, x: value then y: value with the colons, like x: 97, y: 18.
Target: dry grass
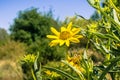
x: 10, y: 70
x: 12, y: 50
x: 10, y: 53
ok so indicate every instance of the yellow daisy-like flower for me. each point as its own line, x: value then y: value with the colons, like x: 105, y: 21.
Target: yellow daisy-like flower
x: 65, y: 36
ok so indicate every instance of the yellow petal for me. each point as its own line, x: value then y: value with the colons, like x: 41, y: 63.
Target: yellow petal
x: 75, y: 40
x: 54, y: 43
x: 75, y: 30
x: 69, y: 26
x: 52, y: 36
x: 67, y: 43
x: 78, y: 36
x: 55, y: 31
x: 62, y: 42
x: 63, y: 29
x: 68, y: 58
x: 48, y: 72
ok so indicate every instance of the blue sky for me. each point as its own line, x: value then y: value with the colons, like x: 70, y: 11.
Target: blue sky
x: 61, y: 8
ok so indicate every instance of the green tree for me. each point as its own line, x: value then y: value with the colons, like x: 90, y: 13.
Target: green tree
x: 4, y: 36
x: 31, y: 27
x: 95, y: 16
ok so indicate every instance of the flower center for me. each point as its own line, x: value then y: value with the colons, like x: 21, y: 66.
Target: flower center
x: 65, y: 35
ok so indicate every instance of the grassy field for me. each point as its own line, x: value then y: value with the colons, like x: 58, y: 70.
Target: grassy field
x: 10, y: 70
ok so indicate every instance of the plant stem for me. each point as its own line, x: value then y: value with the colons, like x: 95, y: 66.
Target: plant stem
x: 66, y: 52
x: 33, y: 75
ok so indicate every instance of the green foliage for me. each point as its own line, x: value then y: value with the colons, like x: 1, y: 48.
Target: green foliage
x: 106, y: 40
x: 56, y: 68
x: 47, y: 53
x: 31, y: 27
x: 104, y: 36
x: 31, y: 67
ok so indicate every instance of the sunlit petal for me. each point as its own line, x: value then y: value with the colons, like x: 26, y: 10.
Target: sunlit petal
x: 54, y: 43
x: 55, y: 31
x: 75, y: 30
x: 62, y: 42
x: 75, y: 40
x: 67, y: 43
x: 63, y: 29
x: 69, y: 26
x: 52, y: 36
x: 78, y: 36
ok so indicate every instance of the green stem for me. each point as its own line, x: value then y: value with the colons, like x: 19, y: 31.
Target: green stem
x: 33, y: 75
x: 87, y: 69
x: 66, y: 52
x: 105, y: 14
x: 87, y: 74
x: 114, y: 6
x: 87, y: 44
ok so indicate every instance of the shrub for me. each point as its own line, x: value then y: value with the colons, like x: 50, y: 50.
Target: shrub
x: 12, y: 50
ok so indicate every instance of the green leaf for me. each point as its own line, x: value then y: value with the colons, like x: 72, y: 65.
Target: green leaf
x: 106, y: 36
x: 98, y: 47
x: 61, y: 72
x: 81, y: 76
x: 116, y: 25
x: 105, y: 49
x: 114, y: 61
x: 116, y: 17
x: 36, y: 61
x: 112, y: 4
x: 37, y: 68
x: 112, y: 37
x: 92, y: 3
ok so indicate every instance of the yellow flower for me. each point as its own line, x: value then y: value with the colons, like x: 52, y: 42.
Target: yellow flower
x: 118, y: 45
x: 74, y: 61
x: 92, y: 28
x: 48, y: 72
x: 65, y: 36
x: 52, y: 74
x: 30, y: 58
